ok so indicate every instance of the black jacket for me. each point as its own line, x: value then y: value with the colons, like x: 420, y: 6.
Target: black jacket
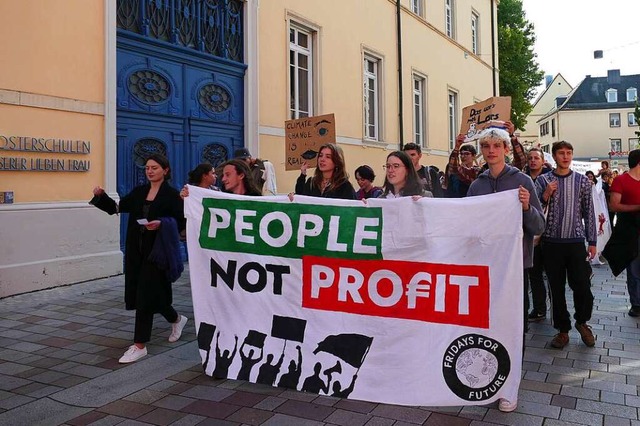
x: 344, y: 191
x: 622, y: 247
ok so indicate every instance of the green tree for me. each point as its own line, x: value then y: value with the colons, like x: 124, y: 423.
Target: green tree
x: 519, y: 71
x: 636, y: 114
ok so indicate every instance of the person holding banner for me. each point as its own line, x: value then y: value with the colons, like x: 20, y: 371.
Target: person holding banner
x: 494, y: 145
x: 570, y: 221
x: 625, y: 199
x: 535, y: 168
x: 402, y: 180
x: 330, y: 179
x: 462, y: 168
x: 236, y: 178
x: 155, y: 217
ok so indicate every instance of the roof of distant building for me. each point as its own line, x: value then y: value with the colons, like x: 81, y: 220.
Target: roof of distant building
x: 591, y: 93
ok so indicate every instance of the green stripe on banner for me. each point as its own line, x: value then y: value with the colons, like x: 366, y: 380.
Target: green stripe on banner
x: 290, y: 229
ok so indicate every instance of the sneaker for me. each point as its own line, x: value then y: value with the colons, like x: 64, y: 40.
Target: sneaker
x: 634, y: 311
x: 176, y: 328
x: 587, y: 335
x: 507, y: 406
x: 537, y: 316
x: 132, y: 354
x: 560, y: 340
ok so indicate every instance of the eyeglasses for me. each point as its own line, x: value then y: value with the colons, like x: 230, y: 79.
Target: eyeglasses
x: 395, y: 166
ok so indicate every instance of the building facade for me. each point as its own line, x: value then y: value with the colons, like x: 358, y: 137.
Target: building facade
x: 100, y: 84
x: 554, y: 94
x: 597, y: 118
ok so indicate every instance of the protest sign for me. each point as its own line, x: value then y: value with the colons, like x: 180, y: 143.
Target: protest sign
x: 304, y: 137
x: 377, y: 302
x: 479, y: 116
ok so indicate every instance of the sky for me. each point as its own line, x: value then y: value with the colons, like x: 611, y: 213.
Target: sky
x: 568, y: 31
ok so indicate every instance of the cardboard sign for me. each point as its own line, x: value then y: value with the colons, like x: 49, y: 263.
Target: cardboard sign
x: 304, y: 137
x: 479, y: 116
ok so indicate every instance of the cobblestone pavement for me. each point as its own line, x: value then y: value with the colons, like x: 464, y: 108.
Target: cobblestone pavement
x: 59, y: 353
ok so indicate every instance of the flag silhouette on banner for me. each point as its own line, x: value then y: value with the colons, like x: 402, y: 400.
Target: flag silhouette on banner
x: 205, y: 338
x: 288, y: 328
x: 351, y: 348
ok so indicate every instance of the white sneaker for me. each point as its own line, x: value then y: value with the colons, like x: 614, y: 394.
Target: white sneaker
x: 176, y: 328
x: 133, y: 354
x: 507, y: 406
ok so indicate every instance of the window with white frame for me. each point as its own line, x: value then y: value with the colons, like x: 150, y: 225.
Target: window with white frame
x: 453, y: 117
x: 553, y: 127
x: 300, y: 72
x: 614, y: 119
x: 616, y: 145
x: 475, y: 33
x: 632, y: 94
x: 417, y: 7
x: 372, y: 74
x: 631, y: 119
x: 449, y: 9
x: 612, y: 95
x: 633, y: 144
x: 419, y: 116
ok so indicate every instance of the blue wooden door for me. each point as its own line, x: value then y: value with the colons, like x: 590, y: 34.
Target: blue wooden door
x: 180, y: 89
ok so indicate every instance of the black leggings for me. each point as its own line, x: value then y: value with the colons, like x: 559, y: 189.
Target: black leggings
x: 144, y: 322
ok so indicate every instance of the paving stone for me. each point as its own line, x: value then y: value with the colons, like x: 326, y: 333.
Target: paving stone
x: 473, y: 412
x: 540, y: 387
x: 438, y: 419
x: 284, y: 420
x: 563, y: 401
x: 514, y: 418
x: 380, y: 421
x: 305, y: 410
x: 347, y: 418
x: 250, y: 416
x: 128, y: 409
x: 15, y: 401
x: 8, y: 382
x: 207, y: 392
x: 161, y: 416
x: 537, y: 409
x: 581, y: 417
x: 145, y: 396
x: 87, y: 419
x: 610, y: 386
x: 406, y: 414
x: 616, y: 421
x: 173, y: 402
x: 612, y: 397
x: 217, y: 410
x: 244, y: 399
x: 606, y: 409
x: 533, y: 396
x: 582, y: 393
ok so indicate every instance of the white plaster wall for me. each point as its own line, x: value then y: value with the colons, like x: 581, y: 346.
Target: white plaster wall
x: 43, y: 246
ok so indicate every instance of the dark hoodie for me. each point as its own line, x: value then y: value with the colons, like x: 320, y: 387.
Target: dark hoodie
x: 532, y: 219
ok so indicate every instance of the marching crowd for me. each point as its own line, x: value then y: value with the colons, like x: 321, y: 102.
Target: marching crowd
x: 558, y: 219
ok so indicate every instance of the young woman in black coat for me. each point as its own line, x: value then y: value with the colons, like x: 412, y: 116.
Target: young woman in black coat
x: 148, y: 284
x: 330, y: 179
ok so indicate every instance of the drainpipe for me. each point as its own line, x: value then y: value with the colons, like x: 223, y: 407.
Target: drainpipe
x: 400, y: 98
x: 493, y: 47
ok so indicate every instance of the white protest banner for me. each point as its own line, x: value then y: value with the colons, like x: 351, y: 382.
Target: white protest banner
x: 603, y: 223
x: 392, y: 301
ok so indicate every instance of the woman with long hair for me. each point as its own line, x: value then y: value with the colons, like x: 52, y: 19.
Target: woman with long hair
x: 151, y: 262
x: 401, y: 179
x: 330, y: 179
x: 204, y: 176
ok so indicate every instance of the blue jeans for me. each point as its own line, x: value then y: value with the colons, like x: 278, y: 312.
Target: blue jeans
x: 633, y: 281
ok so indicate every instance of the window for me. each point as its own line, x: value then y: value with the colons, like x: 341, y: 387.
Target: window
x: 417, y: 7
x: 544, y: 129
x: 632, y: 94
x: 614, y: 119
x: 546, y: 148
x: 612, y: 95
x: 475, y: 39
x: 372, y: 97
x: 616, y: 145
x: 419, y: 117
x: 300, y: 72
x: 631, y: 119
x: 553, y: 127
x: 453, y: 118
x: 633, y: 144
x: 449, y: 18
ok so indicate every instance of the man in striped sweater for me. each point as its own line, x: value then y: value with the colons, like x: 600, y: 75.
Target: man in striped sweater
x: 570, y: 221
